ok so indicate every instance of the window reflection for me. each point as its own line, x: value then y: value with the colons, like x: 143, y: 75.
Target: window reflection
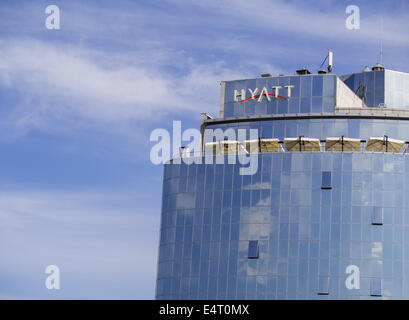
x: 303, y: 233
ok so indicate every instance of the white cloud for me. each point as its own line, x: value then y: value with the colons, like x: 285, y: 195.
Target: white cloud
x: 146, y: 70
x: 64, y: 81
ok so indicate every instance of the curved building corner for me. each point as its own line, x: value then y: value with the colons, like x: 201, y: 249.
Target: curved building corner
x: 326, y: 213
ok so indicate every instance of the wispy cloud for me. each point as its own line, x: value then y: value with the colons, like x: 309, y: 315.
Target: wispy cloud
x: 324, y: 19
x: 151, y: 62
x: 66, y: 81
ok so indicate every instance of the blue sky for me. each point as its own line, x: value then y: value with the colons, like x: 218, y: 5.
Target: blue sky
x: 77, y: 105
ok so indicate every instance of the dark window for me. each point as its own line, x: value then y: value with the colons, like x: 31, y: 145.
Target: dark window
x: 377, y: 216
x: 326, y: 180
x: 253, y: 249
x: 323, y: 285
x: 376, y: 287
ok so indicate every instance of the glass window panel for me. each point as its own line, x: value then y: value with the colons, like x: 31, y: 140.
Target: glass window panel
x: 305, y: 106
x: 306, y: 86
x: 245, y: 198
x: 294, y: 105
x: 326, y: 180
x: 253, y: 249
x: 377, y: 216
x: 328, y: 86
x: 295, y: 81
x: 316, y: 105
x: 261, y: 108
x: 376, y: 287
x: 282, y: 106
x: 328, y: 104
x: 317, y: 82
x: 323, y: 285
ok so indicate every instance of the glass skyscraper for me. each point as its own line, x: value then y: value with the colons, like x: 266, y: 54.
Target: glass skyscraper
x: 326, y: 213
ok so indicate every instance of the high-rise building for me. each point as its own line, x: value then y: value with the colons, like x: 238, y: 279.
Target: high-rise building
x: 325, y: 213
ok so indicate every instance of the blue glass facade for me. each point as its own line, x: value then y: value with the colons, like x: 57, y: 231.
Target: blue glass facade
x: 310, y: 94
x: 386, y: 88
x: 370, y: 86
x: 297, y: 227
x: 210, y: 213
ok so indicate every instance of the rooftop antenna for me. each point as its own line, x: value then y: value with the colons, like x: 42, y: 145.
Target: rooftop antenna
x: 380, y: 58
x: 330, y: 57
x: 330, y: 60
x: 381, y: 43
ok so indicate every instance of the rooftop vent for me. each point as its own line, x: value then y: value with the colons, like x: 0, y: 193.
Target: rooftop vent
x: 303, y: 71
x: 378, y: 67
x: 266, y: 75
x: 322, y: 71
x: 366, y: 69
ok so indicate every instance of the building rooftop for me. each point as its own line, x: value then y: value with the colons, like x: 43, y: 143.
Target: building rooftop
x: 371, y: 92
